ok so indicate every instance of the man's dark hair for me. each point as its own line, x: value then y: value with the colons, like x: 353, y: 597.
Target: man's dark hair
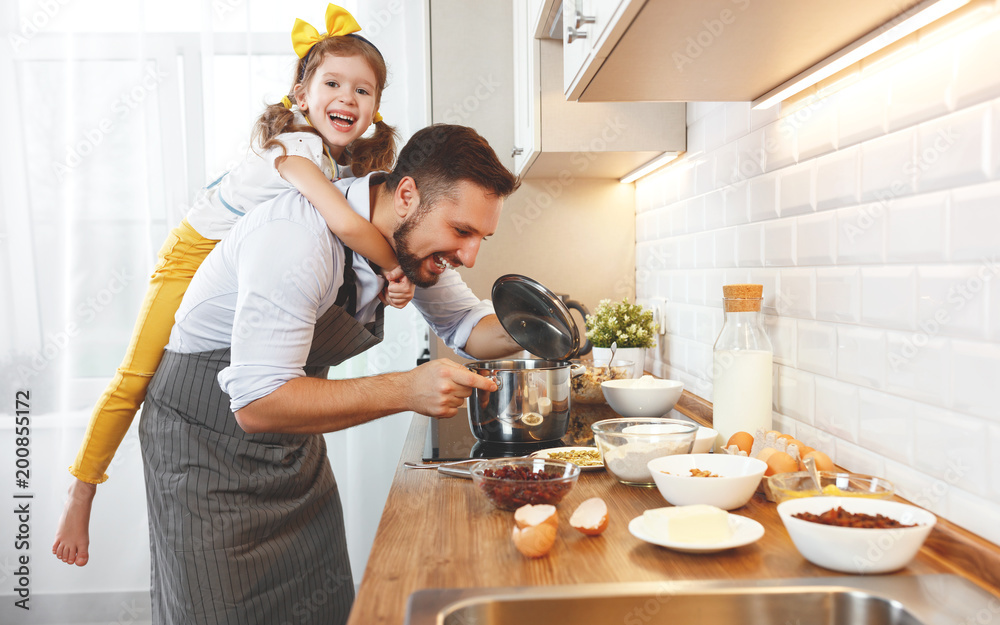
x: 441, y: 155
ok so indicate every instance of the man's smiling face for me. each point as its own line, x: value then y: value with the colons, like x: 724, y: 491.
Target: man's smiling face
x: 448, y: 233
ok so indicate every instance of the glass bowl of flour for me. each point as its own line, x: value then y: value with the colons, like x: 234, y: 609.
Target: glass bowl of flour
x: 627, y: 445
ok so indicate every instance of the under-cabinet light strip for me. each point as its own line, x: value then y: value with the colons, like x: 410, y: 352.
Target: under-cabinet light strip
x: 902, y: 25
x: 649, y: 167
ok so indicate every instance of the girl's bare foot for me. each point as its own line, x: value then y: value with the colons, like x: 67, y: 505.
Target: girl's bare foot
x: 73, y: 535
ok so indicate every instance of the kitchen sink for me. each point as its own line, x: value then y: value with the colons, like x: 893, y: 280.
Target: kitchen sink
x: 892, y: 600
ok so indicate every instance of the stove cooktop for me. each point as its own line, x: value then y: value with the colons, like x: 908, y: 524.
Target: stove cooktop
x: 452, y: 439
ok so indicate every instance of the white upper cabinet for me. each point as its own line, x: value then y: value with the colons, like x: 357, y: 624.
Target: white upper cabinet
x: 703, y: 50
x: 556, y: 138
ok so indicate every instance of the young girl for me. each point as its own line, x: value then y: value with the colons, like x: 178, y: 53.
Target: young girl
x: 306, y: 144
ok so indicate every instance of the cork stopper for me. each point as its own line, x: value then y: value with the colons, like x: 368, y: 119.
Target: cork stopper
x: 742, y: 297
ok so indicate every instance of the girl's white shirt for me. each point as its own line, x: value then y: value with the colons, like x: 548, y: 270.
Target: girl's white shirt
x: 256, y: 180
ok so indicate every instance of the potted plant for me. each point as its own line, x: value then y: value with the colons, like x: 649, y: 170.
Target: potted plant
x: 630, y: 326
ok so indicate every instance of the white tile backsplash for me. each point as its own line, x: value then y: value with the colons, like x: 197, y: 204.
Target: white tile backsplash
x: 951, y: 447
x: 861, y: 112
x: 975, y: 67
x: 816, y: 239
x: 748, y: 246
x: 886, y: 425
x: 762, y: 198
x: 872, y: 218
x: 837, y: 178
x: 889, y: 297
x: 954, y: 150
x: 779, y: 145
x: 796, y: 295
x: 861, y: 233
x: 917, y: 229
x: 795, y: 189
x: 887, y: 166
x: 975, y: 222
x: 837, y: 408
x: 781, y: 332
x: 795, y: 394
x: 975, y: 378
x: 838, y: 294
x: 817, y: 347
x: 861, y: 356
x: 952, y: 301
x: 909, y: 100
x: 737, y: 207
x: 914, y: 365
x: 779, y: 242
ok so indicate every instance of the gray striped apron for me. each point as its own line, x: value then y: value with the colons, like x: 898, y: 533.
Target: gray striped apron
x: 245, y: 528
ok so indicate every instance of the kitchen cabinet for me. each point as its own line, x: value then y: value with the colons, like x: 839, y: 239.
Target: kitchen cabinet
x: 554, y: 138
x: 704, y: 51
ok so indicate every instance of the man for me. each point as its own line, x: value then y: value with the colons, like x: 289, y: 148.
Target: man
x: 245, y: 519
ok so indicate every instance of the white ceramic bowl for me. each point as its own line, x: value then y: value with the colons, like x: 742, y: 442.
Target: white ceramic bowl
x: 703, y: 440
x: 856, y: 550
x: 736, y: 484
x: 654, y: 398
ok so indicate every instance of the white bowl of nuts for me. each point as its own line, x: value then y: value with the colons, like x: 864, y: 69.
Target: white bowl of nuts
x: 718, y: 480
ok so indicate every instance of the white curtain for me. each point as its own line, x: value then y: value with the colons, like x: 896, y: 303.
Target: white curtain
x: 116, y: 112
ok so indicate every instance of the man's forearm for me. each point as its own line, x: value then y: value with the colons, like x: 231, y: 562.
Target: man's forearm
x: 313, y: 405
x: 489, y: 340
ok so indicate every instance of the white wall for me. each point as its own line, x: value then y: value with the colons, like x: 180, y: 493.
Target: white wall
x: 872, y: 218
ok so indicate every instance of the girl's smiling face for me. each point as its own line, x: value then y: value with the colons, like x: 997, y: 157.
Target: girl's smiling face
x: 340, y: 100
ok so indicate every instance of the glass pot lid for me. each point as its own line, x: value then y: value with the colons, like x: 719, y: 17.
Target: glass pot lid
x: 535, y: 317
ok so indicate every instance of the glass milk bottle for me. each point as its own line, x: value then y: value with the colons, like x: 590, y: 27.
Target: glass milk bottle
x: 741, y: 366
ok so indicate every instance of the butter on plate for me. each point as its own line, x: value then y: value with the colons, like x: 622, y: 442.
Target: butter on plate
x: 695, y: 524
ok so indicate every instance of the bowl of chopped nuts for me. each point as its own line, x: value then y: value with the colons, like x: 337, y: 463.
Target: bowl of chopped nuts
x: 510, y: 483
x: 856, y: 535
x: 718, y: 480
x: 586, y: 378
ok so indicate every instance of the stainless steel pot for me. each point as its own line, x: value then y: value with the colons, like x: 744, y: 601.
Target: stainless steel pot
x: 531, y: 403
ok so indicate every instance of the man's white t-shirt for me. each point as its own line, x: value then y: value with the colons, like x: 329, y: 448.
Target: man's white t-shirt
x: 264, y: 286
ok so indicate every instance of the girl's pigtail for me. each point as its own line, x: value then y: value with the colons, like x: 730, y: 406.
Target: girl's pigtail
x: 374, y: 153
x: 276, y: 120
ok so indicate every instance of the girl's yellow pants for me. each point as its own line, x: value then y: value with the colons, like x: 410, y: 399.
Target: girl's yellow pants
x: 180, y: 256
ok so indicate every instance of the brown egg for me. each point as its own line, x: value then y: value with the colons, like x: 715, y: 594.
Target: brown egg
x: 765, y: 453
x: 782, y: 436
x: 743, y: 440
x: 823, y: 462
x: 780, y: 462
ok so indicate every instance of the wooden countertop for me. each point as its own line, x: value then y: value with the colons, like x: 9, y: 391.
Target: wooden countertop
x: 439, y: 532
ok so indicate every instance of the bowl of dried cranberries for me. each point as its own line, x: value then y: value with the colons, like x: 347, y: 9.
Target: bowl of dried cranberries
x: 510, y: 483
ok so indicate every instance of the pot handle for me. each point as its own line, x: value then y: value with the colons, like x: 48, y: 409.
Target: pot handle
x: 496, y: 379
x: 580, y: 308
x: 576, y: 369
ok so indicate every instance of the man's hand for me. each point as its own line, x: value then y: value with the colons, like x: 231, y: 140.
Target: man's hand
x: 440, y: 387
x: 398, y: 290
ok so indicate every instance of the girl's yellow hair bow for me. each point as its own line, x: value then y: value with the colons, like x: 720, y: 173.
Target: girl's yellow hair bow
x: 338, y: 22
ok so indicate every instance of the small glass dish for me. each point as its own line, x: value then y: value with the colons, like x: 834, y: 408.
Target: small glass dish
x: 627, y: 445
x: 510, y: 483
x: 586, y: 378
x: 797, y: 484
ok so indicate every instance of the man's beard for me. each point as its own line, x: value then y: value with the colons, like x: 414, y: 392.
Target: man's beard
x: 409, y: 262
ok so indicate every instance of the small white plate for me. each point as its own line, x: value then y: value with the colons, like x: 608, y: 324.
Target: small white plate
x: 745, y: 531
x: 546, y: 453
